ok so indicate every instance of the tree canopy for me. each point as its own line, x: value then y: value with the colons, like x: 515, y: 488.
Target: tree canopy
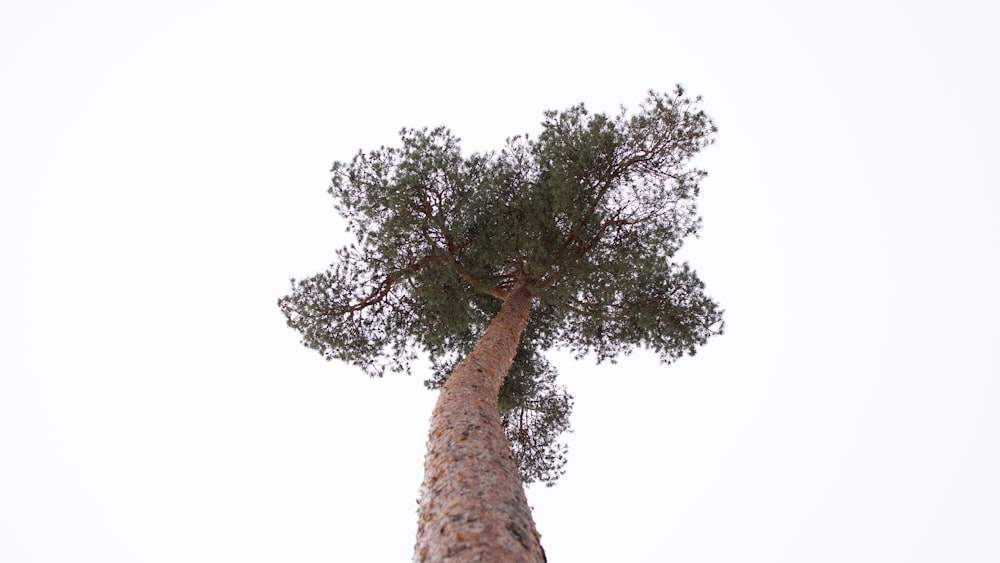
x: 588, y: 216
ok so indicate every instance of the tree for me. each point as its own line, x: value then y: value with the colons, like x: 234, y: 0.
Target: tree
x: 483, y: 262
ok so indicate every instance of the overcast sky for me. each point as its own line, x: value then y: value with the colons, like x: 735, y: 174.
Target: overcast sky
x: 164, y: 168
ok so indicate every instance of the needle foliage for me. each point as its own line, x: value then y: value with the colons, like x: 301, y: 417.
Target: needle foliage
x: 588, y: 215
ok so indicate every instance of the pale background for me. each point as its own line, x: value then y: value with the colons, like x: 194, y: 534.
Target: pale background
x: 164, y: 167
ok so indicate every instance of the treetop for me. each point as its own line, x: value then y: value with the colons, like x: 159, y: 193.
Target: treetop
x: 588, y: 216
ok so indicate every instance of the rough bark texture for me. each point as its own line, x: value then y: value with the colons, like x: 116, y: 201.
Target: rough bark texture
x: 472, y: 503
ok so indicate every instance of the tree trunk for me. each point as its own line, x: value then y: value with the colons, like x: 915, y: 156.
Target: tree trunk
x: 472, y: 503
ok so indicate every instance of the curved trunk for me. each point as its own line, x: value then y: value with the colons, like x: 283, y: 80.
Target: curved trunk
x: 472, y: 503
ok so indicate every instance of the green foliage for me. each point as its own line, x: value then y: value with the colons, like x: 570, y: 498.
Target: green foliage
x: 589, y: 216
x: 534, y: 412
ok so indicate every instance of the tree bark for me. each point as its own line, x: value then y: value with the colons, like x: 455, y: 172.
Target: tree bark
x: 472, y: 503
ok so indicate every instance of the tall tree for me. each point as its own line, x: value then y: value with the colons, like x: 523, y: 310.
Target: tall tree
x: 484, y: 261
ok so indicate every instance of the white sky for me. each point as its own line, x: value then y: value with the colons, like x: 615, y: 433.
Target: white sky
x: 164, y: 168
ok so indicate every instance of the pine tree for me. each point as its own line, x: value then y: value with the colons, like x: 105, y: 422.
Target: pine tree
x: 483, y: 262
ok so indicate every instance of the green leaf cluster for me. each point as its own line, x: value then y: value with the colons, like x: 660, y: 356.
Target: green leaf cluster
x: 534, y: 411
x: 589, y: 216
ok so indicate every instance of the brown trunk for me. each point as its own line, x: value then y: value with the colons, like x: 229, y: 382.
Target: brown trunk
x: 472, y: 503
